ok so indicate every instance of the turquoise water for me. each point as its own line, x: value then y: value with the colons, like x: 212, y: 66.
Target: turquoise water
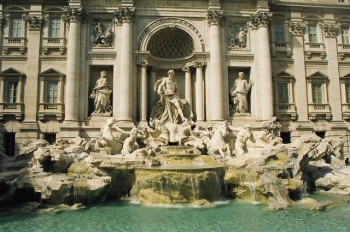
x: 231, y: 216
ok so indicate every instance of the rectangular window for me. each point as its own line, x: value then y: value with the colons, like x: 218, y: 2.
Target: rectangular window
x: 317, y: 93
x: 51, y: 96
x: 345, y: 33
x: 279, y: 33
x: 11, y: 92
x: 283, y: 93
x: 55, y: 25
x: 312, y: 29
x: 16, y: 28
x: 347, y: 93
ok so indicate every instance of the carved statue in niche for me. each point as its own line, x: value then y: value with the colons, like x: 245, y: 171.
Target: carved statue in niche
x: 101, y: 94
x: 238, y: 92
x: 237, y: 36
x: 102, y: 37
x: 170, y: 108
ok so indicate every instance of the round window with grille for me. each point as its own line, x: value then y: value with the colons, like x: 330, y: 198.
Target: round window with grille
x: 171, y: 43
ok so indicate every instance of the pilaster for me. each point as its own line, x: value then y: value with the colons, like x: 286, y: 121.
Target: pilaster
x: 216, y: 79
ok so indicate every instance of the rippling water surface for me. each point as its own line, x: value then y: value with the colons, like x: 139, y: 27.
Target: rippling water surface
x: 229, y: 216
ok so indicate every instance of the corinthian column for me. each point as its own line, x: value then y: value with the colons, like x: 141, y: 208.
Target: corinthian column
x: 216, y: 79
x: 188, y: 84
x: 330, y: 34
x: 143, y: 93
x: 125, y: 16
x: 73, y: 65
x: 199, y: 85
x: 260, y: 21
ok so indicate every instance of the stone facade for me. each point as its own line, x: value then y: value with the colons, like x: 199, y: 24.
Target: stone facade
x: 295, y: 54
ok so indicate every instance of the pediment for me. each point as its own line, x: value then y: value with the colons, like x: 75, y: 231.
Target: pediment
x: 11, y: 72
x: 318, y: 74
x: 284, y: 74
x: 347, y: 76
x: 51, y: 72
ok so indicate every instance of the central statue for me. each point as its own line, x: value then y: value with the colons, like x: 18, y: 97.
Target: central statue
x: 170, y: 112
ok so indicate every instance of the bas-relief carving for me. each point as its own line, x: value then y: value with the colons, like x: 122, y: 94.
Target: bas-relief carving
x: 101, y: 94
x: 102, y: 34
x: 237, y: 36
x: 239, y: 92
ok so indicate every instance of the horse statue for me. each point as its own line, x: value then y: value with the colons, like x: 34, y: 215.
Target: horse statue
x: 217, y: 143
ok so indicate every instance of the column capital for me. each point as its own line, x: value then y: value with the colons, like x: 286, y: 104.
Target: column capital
x: 186, y: 68
x: 297, y: 28
x: 74, y: 14
x: 260, y: 19
x: 330, y: 30
x: 124, y: 14
x: 215, y: 17
x: 142, y: 63
x: 35, y: 22
x: 199, y: 64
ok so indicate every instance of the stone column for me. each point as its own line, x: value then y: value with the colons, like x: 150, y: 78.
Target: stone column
x: 153, y: 82
x: 143, y: 90
x: 260, y: 21
x: 42, y: 90
x: 297, y: 30
x: 199, y: 85
x: 188, y: 84
x: 125, y: 16
x: 330, y: 32
x: 2, y: 88
x: 73, y: 66
x: 216, y: 79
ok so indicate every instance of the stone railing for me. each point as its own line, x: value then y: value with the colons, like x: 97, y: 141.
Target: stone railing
x: 286, y: 109
x: 315, y: 48
x: 12, y: 109
x: 319, y: 110
x: 51, y: 109
x: 15, y: 43
x: 58, y: 44
x: 343, y: 50
x: 281, y: 47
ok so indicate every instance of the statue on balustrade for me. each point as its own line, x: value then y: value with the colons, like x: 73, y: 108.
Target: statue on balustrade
x: 170, y: 108
x: 239, y: 92
x: 101, y: 94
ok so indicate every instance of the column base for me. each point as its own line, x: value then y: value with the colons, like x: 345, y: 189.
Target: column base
x: 126, y: 123
x: 69, y: 129
x: 29, y: 131
x: 143, y: 123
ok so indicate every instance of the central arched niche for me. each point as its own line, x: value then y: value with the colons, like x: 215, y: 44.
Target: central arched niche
x: 171, y: 43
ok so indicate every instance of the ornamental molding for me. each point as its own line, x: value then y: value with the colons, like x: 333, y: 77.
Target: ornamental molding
x: 162, y: 23
x: 124, y: 14
x: 330, y: 30
x: 297, y: 28
x: 35, y: 22
x: 74, y: 14
x: 215, y: 17
x: 260, y: 19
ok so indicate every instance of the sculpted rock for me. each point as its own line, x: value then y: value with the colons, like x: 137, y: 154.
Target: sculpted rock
x: 31, y: 147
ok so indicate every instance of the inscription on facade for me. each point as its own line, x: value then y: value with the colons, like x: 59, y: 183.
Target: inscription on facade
x: 172, y: 3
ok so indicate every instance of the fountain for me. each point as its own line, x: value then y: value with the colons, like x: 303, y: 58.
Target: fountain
x: 172, y: 161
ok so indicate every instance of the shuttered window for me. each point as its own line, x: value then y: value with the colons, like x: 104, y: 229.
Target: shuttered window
x: 51, y: 96
x: 283, y: 93
x: 317, y: 93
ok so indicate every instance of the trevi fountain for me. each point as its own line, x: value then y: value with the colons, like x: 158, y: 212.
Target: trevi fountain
x: 172, y: 175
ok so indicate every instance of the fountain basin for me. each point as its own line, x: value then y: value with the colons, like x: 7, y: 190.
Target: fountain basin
x: 180, y: 184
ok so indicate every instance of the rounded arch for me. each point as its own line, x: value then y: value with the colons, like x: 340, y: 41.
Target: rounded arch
x: 16, y: 8
x: 343, y: 18
x: 313, y: 17
x: 54, y: 9
x: 171, y: 22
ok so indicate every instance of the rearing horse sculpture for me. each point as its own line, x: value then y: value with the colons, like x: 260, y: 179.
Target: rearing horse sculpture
x: 217, y: 143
